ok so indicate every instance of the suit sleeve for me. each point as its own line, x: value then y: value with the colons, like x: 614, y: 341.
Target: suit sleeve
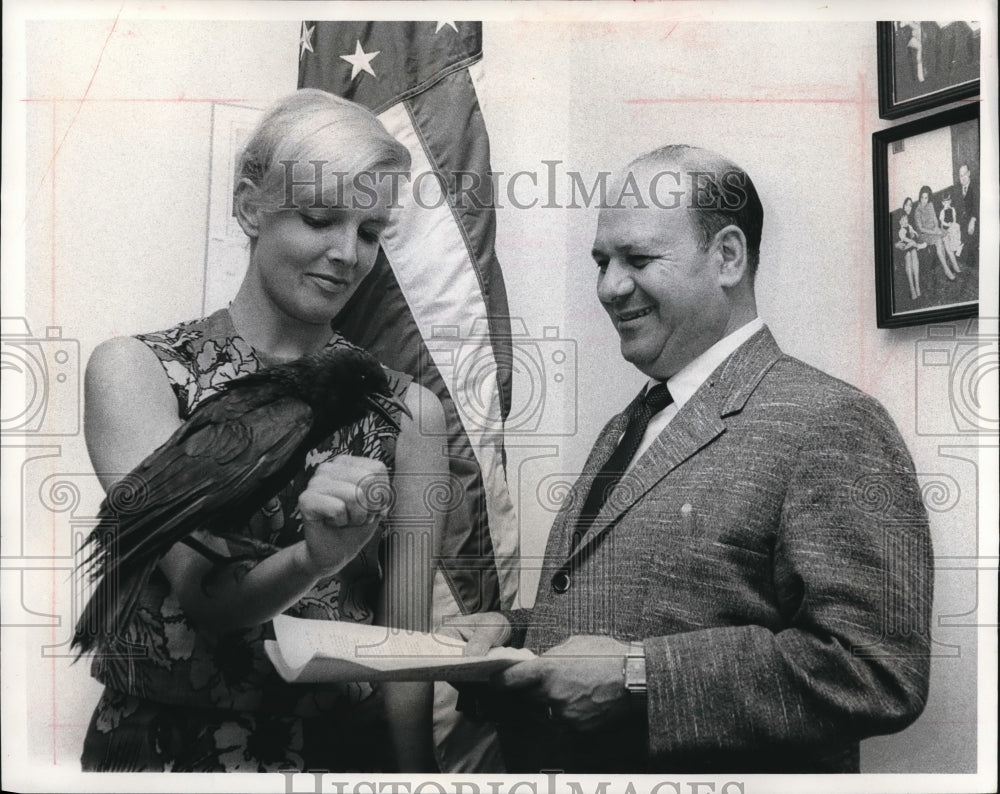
x: 852, y: 575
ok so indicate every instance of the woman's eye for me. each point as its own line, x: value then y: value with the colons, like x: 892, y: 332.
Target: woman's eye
x: 368, y: 235
x: 316, y: 222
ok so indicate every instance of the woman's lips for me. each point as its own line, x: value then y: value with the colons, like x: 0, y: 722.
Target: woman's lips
x: 329, y: 283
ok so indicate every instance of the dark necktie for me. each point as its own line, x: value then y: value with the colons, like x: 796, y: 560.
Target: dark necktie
x: 652, y: 402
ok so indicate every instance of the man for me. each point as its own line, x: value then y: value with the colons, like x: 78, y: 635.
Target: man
x: 754, y: 594
x: 965, y: 199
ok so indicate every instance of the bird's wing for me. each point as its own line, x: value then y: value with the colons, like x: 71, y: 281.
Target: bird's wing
x: 214, y: 464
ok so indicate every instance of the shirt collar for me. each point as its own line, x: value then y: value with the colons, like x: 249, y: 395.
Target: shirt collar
x: 684, y: 383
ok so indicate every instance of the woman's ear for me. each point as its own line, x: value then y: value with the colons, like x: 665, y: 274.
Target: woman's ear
x: 731, y: 246
x: 246, y: 208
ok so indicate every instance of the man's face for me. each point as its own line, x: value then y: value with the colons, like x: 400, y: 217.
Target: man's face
x: 963, y: 176
x: 659, y: 287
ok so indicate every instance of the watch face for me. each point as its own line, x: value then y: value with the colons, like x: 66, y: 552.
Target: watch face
x: 635, y: 673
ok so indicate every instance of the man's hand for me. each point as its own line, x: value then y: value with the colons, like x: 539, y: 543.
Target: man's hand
x: 480, y: 630
x: 342, y: 508
x: 580, y: 681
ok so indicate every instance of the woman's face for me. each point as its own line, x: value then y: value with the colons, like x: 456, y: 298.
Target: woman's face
x: 907, y: 206
x: 311, y: 259
x: 924, y: 197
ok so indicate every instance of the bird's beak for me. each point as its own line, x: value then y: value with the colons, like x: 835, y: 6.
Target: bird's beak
x: 381, y: 403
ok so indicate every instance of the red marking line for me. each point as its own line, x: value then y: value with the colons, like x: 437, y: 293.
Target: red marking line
x: 140, y: 99
x: 742, y: 101
x: 82, y: 99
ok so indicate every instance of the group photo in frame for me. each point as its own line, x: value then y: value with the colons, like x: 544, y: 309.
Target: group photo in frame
x: 923, y: 65
x: 926, y: 201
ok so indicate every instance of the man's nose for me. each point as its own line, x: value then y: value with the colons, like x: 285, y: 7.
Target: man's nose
x: 614, y: 283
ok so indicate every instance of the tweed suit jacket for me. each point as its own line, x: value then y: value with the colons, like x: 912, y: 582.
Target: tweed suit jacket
x: 771, y: 552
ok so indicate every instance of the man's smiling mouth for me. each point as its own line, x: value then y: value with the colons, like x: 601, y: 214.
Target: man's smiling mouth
x: 635, y: 314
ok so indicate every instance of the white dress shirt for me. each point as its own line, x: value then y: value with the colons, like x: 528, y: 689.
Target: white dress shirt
x: 684, y: 383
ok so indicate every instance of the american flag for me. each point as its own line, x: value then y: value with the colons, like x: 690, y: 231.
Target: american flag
x: 435, y: 305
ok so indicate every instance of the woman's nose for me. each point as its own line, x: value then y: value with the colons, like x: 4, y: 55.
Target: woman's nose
x: 342, y: 248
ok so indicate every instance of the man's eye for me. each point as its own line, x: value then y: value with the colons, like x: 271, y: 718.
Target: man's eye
x: 639, y: 260
x: 368, y: 235
x: 602, y: 264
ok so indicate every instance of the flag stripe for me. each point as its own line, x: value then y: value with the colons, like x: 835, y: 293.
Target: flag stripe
x: 453, y: 104
x: 438, y: 278
x: 466, y: 555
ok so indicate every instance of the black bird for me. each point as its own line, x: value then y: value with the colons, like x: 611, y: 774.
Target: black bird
x: 235, y: 452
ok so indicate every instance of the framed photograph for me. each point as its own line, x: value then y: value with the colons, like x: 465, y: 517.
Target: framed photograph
x: 922, y: 65
x: 926, y: 202
x: 227, y: 248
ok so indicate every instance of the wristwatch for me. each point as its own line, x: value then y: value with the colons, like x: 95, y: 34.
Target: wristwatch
x: 634, y: 671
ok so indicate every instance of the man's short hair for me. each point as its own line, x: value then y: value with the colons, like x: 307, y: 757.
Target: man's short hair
x: 717, y: 181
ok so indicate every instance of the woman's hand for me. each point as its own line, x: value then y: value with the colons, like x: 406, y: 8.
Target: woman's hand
x: 480, y: 630
x: 342, y: 508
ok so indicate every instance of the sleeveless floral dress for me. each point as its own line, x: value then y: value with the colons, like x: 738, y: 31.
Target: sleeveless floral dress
x: 201, y: 701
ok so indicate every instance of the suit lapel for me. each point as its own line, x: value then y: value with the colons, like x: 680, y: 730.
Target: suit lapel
x: 603, y: 447
x: 696, y: 425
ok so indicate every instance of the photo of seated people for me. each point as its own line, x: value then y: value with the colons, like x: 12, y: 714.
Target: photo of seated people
x: 933, y: 179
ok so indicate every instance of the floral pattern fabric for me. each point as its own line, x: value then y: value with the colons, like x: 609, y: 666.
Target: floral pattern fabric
x: 218, y: 691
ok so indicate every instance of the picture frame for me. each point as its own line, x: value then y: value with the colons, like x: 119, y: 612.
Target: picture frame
x: 226, y: 248
x: 927, y: 270
x: 923, y: 65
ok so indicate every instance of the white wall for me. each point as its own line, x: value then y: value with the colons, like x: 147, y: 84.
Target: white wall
x: 115, y: 239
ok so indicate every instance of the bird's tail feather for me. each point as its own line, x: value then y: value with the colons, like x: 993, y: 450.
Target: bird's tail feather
x: 109, y: 610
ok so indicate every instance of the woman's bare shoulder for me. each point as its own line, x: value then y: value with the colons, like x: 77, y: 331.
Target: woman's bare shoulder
x: 125, y: 362
x: 129, y: 405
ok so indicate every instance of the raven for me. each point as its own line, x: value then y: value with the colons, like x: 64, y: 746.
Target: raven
x: 235, y: 452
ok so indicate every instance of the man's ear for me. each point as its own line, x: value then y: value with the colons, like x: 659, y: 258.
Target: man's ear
x: 246, y: 208
x: 731, y: 246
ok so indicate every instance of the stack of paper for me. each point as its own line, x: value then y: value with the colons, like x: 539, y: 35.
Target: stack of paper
x: 312, y: 651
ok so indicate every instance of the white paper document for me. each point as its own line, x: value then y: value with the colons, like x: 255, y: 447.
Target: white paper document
x: 313, y: 651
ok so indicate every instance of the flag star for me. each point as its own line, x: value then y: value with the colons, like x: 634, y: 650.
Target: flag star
x: 442, y: 24
x: 361, y: 61
x: 305, y: 40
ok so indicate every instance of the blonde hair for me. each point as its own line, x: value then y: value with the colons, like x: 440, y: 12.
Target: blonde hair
x: 315, y: 128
